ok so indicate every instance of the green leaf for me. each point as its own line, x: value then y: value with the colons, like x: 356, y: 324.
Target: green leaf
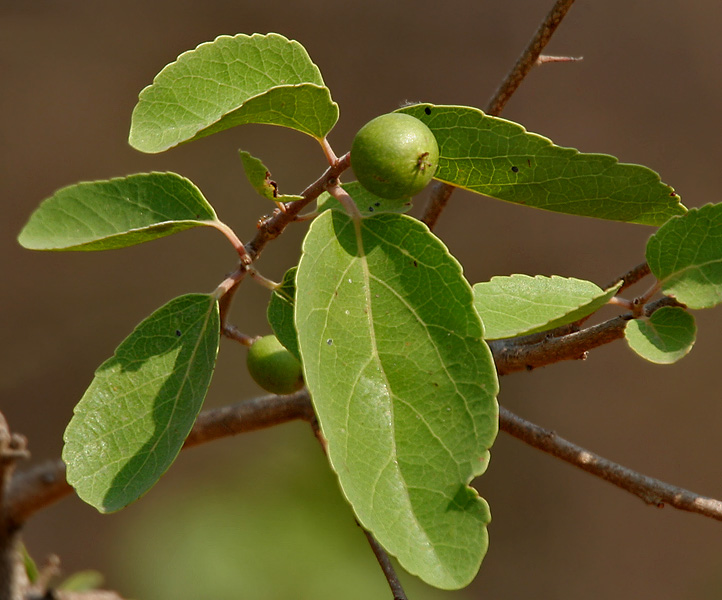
x: 280, y: 313
x: 132, y: 421
x: 228, y: 82
x: 102, y: 215
x: 520, y: 304
x: 663, y: 338
x: 260, y: 178
x: 403, y: 385
x: 499, y: 158
x: 82, y: 581
x: 685, y: 255
x: 367, y: 203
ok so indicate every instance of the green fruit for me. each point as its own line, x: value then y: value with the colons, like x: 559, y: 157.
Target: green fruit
x: 273, y: 367
x: 394, y: 156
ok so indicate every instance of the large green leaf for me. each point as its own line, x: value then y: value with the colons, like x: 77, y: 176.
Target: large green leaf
x: 231, y: 81
x: 665, y: 337
x: 131, y: 423
x: 499, y: 158
x: 519, y: 304
x: 403, y: 385
x: 101, y: 215
x: 686, y: 257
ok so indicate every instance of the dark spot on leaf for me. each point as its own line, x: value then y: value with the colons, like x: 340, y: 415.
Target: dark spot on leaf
x: 515, y: 169
x: 329, y: 341
x: 674, y: 195
x: 416, y: 264
x: 377, y: 203
x: 427, y: 110
x: 371, y: 209
x: 178, y: 332
x: 528, y: 161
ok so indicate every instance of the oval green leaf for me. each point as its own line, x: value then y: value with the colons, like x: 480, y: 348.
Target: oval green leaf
x: 685, y: 255
x: 403, y: 385
x: 663, y: 338
x: 132, y: 421
x: 520, y: 304
x: 103, y: 215
x: 231, y: 81
x: 500, y: 159
x: 280, y: 313
x: 367, y: 203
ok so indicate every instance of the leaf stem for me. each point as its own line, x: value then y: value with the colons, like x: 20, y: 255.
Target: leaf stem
x: 233, y: 238
x: 264, y: 281
x: 328, y: 151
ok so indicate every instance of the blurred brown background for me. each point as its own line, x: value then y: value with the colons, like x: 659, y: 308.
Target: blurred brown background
x: 258, y: 516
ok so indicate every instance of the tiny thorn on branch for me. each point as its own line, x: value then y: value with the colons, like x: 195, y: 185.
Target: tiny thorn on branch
x: 543, y: 59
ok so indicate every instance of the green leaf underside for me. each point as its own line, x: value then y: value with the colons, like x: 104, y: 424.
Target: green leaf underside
x: 280, y: 313
x: 403, y: 385
x: 103, y: 215
x: 686, y: 257
x: 260, y: 179
x: 665, y: 337
x: 367, y: 203
x: 228, y: 82
x: 132, y: 421
x: 500, y: 159
x: 520, y: 304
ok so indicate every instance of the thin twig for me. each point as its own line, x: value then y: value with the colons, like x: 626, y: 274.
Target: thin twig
x: 386, y: 565
x: 381, y: 555
x: 528, y: 58
x: 651, y: 491
x: 441, y: 192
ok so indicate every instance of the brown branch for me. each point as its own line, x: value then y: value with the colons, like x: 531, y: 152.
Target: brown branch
x: 540, y: 350
x: 45, y: 484
x: 650, y: 490
x: 441, y: 192
x: 630, y: 277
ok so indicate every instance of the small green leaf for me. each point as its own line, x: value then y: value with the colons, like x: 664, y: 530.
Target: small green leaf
x: 228, y: 82
x: 685, y: 255
x: 663, y: 338
x: 82, y: 581
x: 280, y: 312
x: 31, y: 568
x: 520, y: 304
x: 132, y: 421
x: 367, y: 203
x: 102, y: 215
x: 499, y: 158
x: 260, y: 178
x: 403, y: 385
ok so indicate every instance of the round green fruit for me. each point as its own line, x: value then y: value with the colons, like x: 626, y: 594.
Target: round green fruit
x: 394, y: 156
x: 273, y: 367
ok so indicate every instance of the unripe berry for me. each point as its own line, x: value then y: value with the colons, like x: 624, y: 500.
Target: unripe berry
x: 273, y: 367
x: 394, y: 156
